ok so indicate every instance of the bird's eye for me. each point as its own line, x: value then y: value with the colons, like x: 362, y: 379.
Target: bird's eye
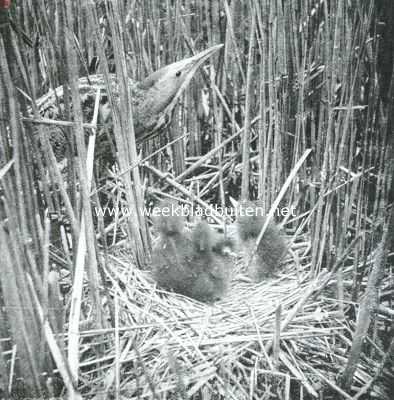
x: 178, y: 73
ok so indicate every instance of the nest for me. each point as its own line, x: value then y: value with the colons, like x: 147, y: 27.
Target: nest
x: 280, y: 339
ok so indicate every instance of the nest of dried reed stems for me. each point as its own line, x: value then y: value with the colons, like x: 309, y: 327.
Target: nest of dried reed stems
x: 280, y: 339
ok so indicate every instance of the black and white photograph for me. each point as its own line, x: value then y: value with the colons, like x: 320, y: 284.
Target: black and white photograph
x: 196, y: 200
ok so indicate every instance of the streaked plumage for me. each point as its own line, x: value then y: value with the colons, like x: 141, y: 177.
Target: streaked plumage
x: 153, y: 99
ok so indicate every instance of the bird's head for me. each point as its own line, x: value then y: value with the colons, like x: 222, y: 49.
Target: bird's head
x: 162, y: 89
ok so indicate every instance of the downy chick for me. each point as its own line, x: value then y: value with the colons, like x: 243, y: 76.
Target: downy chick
x: 192, y: 264
x: 210, y: 262
x: 172, y: 255
x: 272, y: 247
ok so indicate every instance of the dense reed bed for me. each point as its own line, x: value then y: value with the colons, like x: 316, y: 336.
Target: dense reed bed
x: 296, y: 110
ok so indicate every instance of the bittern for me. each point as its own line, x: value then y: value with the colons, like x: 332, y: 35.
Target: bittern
x: 209, y: 259
x: 190, y: 263
x: 272, y: 247
x: 153, y: 99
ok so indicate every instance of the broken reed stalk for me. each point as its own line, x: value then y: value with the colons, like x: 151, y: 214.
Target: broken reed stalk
x: 212, y: 152
x: 275, y: 204
x: 216, y: 216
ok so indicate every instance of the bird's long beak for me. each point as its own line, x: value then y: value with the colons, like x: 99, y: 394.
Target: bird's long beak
x: 165, y: 86
x: 188, y: 67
